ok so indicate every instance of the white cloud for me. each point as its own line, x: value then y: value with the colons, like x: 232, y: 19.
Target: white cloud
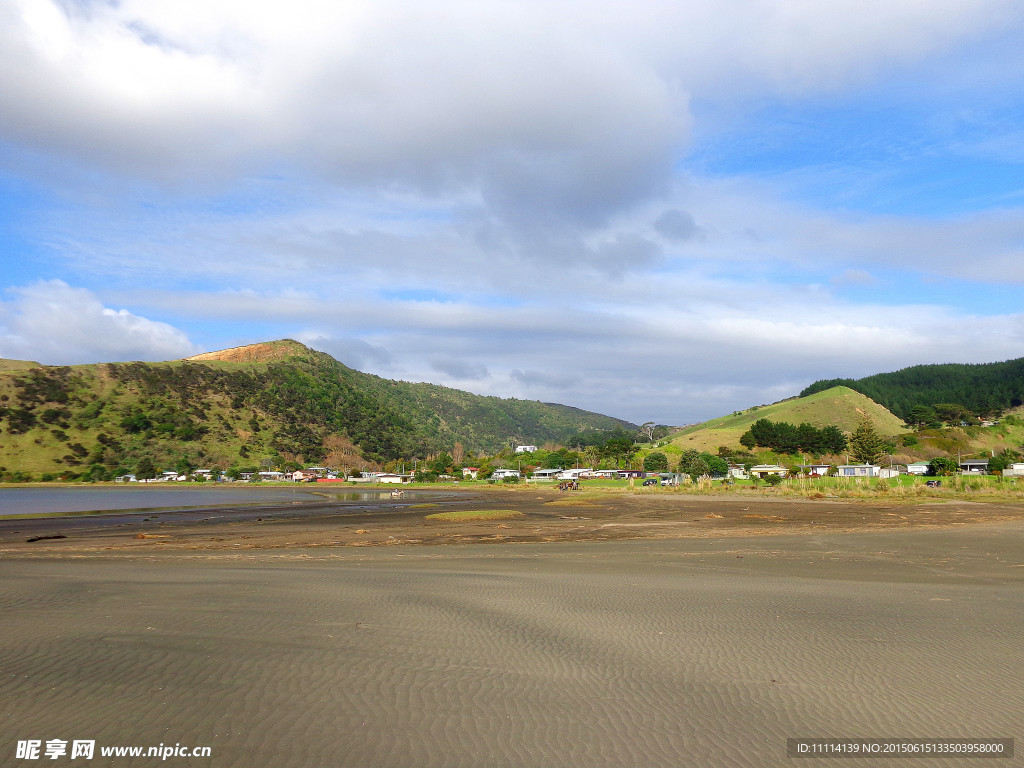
x: 524, y: 161
x: 52, y: 322
x: 575, y: 108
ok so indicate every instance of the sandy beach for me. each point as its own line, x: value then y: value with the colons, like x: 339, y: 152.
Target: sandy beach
x: 650, y: 648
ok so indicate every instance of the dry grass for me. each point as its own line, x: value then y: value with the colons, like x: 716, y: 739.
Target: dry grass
x: 474, y: 515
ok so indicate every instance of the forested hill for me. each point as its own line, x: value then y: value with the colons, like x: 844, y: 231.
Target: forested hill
x: 243, y: 406
x: 983, y: 388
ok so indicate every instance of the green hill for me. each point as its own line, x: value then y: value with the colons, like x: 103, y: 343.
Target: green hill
x: 841, y: 406
x: 985, y: 388
x: 277, y: 401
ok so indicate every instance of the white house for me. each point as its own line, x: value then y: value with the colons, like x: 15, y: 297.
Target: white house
x: 918, y: 468
x: 858, y: 470
x: 392, y: 478
x: 737, y: 472
x: 607, y: 474
x: 1014, y: 470
x: 574, y: 474
x: 501, y: 474
x: 526, y: 448
x: 470, y: 472
x: 815, y: 470
x: 545, y: 474
x: 763, y: 470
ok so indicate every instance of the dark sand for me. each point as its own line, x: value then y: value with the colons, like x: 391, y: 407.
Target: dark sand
x: 701, y: 645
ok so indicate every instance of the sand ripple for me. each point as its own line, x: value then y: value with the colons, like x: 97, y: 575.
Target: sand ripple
x: 619, y: 654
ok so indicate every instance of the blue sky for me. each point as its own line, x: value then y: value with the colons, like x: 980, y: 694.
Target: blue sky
x: 658, y: 211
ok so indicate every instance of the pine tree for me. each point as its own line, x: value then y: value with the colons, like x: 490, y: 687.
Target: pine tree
x: 866, y: 445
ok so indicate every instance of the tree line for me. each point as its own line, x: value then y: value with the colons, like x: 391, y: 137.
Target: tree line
x: 984, y: 389
x: 783, y: 437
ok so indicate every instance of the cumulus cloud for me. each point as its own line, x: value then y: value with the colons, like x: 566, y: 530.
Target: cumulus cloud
x: 542, y: 380
x: 677, y: 226
x: 353, y: 352
x: 55, y: 323
x: 460, y: 370
x: 574, y: 116
x: 304, y: 167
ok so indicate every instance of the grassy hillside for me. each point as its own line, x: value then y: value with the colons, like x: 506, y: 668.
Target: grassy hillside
x: 278, y: 401
x: 984, y: 388
x: 16, y: 365
x: 841, y: 406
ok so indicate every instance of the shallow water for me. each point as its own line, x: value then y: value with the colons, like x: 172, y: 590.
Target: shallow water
x: 57, y: 501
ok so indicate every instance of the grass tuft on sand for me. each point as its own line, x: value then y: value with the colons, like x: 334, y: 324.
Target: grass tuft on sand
x: 472, y: 515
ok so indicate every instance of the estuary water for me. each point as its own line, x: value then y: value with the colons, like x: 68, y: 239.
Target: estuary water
x: 60, y: 501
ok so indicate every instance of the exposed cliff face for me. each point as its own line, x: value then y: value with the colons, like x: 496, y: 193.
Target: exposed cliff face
x: 254, y: 353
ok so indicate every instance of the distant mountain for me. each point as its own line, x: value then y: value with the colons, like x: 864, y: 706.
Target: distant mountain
x: 982, y: 388
x: 841, y: 406
x: 242, y: 406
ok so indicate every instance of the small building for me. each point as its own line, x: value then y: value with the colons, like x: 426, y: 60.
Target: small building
x: 526, y: 448
x: 815, y: 470
x: 763, y: 470
x: 470, y: 472
x: 545, y: 475
x: 391, y: 478
x: 272, y: 476
x: 858, y: 470
x: 501, y: 474
x: 737, y: 472
x: 607, y: 474
x: 574, y: 474
x: 974, y: 467
x: 1014, y: 470
x: 918, y: 468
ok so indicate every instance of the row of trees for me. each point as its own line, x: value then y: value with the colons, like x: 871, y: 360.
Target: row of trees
x: 691, y: 462
x: 783, y: 437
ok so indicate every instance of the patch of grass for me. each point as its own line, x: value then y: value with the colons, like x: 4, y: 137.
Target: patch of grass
x: 474, y: 515
x: 422, y: 506
x: 569, y: 503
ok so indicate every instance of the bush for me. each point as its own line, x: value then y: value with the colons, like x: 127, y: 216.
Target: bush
x: 772, y: 480
x: 942, y: 466
x: 656, y: 462
x: 510, y: 480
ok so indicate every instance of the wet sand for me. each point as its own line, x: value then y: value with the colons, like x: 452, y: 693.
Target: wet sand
x: 705, y: 649
x: 546, y: 516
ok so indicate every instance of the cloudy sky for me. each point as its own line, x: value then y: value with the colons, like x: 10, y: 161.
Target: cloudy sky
x: 655, y: 209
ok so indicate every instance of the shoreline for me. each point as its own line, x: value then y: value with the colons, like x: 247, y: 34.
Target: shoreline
x: 545, y: 516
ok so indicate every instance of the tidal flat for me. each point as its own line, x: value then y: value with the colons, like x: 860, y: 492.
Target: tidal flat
x: 660, y: 645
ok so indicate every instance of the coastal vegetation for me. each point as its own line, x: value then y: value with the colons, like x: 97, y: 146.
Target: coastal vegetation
x: 282, y: 406
x: 266, y: 405
x: 979, y: 390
